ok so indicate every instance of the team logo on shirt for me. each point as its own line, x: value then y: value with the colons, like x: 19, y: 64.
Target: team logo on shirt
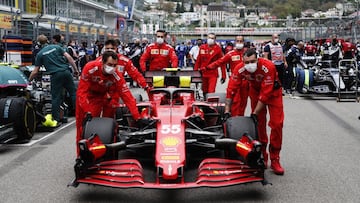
x: 121, y: 68
x: 249, y: 77
x: 154, y: 51
x: 95, y: 78
x: 268, y: 81
x: 235, y: 58
x: 259, y: 77
x: 108, y: 83
x: 265, y: 69
x: 202, y: 51
x: 164, y: 52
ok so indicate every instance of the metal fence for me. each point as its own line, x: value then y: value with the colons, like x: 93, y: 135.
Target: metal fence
x: 346, y: 28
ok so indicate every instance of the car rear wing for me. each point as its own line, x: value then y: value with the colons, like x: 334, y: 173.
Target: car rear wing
x: 172, y: 77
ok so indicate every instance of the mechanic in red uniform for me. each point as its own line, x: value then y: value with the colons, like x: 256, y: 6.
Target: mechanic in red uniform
x: 159, y: 55
x: 100, y: 87
x: 125, y: 65
x: 209, y: 53
x: 233, y: 58
x: 310, y: 49
x: 348, y: 49
x: 265, y: 93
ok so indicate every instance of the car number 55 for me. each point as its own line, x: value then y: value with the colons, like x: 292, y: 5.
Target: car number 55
x: 173, y: 129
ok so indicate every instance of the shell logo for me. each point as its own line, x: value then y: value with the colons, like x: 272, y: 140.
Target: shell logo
x: 170, y: 141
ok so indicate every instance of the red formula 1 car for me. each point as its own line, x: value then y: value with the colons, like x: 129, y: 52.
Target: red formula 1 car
x: 185, y: 143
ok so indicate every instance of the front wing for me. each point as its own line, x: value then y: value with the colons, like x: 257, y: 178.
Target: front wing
x: 128, y: 173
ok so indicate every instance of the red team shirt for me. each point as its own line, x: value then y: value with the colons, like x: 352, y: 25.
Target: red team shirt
x: 160, y: 56
x: 206, y: 56
x: 126, y: 65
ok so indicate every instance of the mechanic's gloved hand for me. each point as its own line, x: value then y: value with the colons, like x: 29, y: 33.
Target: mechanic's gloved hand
x: 148, y: 88
x: 143, y: 122
x: 254, y: 117
x: 223, y: 80
x: 227, y: 115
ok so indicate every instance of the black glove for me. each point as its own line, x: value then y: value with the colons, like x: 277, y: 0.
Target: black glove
x: 227, y: 115
x: 143, y: 122
x: 222, y: 80
x: 254, y: 117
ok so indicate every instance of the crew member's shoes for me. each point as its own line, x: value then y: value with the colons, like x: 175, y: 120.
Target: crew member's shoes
x: 276, y: 167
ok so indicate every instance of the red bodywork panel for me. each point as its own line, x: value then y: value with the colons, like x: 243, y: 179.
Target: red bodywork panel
x: 170, y: 155
x: 170, y: 152
x: 212, y: 172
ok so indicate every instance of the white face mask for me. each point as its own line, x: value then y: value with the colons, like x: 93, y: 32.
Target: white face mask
x: 109, y: 69
x: 239, y: 45
x: 210, y: 41
x: 251, y: 67
x: 159, y: 40
x: 276, y: 40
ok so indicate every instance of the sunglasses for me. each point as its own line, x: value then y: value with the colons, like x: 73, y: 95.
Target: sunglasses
x: 160, y: 36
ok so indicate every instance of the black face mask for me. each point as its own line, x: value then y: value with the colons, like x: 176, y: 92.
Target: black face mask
x: 334, y: 41
x: 143, y: 44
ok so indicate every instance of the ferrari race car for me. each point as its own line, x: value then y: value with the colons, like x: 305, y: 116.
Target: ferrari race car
x: 184, y: 143
x: 327, y: 77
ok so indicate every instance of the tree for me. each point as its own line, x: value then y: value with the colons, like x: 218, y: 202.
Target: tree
x: 191, y: 8
x: 177, y: 10
x: 242, y: 13
x: 182, y: 8
x: 168, y: 7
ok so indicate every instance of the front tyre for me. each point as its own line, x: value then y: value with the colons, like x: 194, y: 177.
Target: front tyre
x: 106, y: 129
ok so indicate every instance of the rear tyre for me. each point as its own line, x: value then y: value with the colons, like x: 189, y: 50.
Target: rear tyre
x: 106, y: 129
x: 236, y: 127
x: 21, y: 113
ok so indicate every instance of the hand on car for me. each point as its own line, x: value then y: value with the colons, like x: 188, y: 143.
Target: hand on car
x: 254, y: 117
x: 227, y: 115
x: 223, y: 80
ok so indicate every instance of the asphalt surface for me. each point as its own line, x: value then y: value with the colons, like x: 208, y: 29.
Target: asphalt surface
x: 320, y: 156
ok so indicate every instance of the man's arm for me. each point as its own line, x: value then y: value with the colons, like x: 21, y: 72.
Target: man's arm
x: 144, y: 58
x: 191, y: 54
x: 174, y: 59
x: 72, y: 62
x: 135, y: 74
x: 128, y: 99
x: 220, y: 62
x: 83, y: 89
x: 233, y: 85
x: 266, y: 52
x: 223, y: 67
x: 34, y: 73
x: 259, y: 106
